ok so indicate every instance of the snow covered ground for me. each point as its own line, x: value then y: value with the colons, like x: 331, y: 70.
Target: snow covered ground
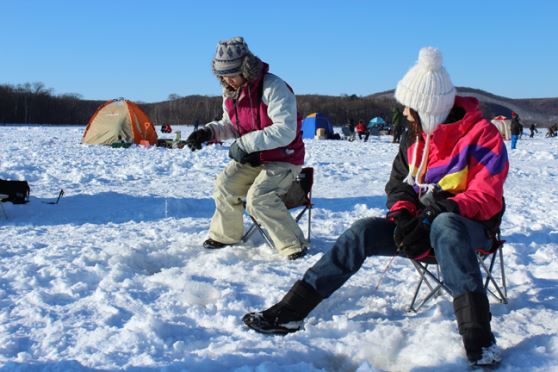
x: 114, y: 276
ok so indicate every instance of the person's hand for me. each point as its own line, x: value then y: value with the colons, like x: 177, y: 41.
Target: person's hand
x: 241, y: 156
x: 404, y: 224
x: 411, y: 234
x: 197, y: 138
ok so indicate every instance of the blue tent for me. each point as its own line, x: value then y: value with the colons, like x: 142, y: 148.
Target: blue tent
x: 376, y: 122
x: 314, y: 121
x: 375, y: 125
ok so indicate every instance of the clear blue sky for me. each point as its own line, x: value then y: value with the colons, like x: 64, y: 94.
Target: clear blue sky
x: 145, y: 50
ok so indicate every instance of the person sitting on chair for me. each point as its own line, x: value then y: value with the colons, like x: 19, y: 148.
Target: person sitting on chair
x: 362, y: 130
x: 444, y: 194
x: 259, y: 112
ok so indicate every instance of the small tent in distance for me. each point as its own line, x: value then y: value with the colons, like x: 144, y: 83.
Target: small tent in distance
x: 119, y: 121
x: 315, y: 121
x: 504, y: 126
x: 376, y: 125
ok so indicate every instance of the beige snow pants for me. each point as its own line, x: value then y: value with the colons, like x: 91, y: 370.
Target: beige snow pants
x: 261, y: 187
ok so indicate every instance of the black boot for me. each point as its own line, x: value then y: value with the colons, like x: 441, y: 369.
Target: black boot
x: 473, y: 319
x: 213, y: 244
x: 287, y: 315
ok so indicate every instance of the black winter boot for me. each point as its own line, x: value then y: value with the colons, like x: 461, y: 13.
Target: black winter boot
x: 287, y: 315
x: 473, y: 319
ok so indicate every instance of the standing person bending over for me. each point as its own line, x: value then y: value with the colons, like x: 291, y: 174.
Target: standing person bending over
x: 445, y: 194
x: 259, y: 112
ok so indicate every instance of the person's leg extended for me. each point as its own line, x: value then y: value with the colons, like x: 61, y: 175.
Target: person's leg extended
x: 366, y: 237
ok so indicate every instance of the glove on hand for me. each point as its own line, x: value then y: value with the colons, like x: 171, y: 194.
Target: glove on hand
x: 241, y: 156
x: 411, y: 234
x: 195, y: 140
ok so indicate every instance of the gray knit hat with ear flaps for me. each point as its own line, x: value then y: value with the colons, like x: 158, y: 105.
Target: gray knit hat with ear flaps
x: 229, y: 56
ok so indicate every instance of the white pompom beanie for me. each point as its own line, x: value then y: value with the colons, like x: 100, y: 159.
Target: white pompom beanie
x: 427, y: 89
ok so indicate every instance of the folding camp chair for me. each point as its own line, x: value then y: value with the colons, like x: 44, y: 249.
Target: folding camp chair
x: 298, y: 196
x: 495, y: 286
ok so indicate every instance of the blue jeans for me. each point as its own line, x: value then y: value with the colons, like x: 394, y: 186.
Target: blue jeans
x: 514, y: 138
x: 454, y: 239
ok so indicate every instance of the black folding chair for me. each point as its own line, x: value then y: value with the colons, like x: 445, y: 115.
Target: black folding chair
x: 299, y: 197
x: 494, y: 285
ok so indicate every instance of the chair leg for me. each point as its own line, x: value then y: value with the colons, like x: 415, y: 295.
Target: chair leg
x: 256, y: 226
x: 500, y: 296
x: 309, y: 223
x: 503, y: 272
x: 299, y: 216
x: 425, y: 274
x: 248, y: 233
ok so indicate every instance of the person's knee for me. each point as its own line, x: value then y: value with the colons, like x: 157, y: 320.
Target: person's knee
x: 256, y: 202
x: 362, y: 229
x: 444, y: 221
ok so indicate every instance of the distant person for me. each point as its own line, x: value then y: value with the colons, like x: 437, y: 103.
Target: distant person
x: 397, y: 123
x: 447, y: 137
x: 166, y: 128
x: 516, y: 129
x: 352, y: 124
x: 362, y: 130
x: 267, y: 155
x: 533, y: 130
x: 349, y: 130
x: 196, y: 124
x: 551, y: 131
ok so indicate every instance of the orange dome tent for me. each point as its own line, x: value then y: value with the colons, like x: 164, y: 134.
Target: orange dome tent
x: 119, y: 121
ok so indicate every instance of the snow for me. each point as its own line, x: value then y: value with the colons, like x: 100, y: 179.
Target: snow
x: 114, y: 276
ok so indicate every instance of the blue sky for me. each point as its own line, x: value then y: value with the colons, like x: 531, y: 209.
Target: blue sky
x: 145, y: 50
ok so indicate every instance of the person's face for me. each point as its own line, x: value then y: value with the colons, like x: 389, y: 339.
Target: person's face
x: 235, y: 81
x: 407, y: 114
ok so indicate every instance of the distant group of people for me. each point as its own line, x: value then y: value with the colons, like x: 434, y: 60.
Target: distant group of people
x: 363, y: 132
x: 516, y: 128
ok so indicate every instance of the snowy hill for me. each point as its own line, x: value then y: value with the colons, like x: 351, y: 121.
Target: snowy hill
x: 114, y: 276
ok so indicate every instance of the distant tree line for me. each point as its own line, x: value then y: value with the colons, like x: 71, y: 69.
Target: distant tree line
x: 33, y: 103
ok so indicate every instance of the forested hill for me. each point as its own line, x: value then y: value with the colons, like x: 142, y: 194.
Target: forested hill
x: 35, y: 104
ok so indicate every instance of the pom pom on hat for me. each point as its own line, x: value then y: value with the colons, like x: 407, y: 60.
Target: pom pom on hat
x: 427, y: 89
x: 430, y: 58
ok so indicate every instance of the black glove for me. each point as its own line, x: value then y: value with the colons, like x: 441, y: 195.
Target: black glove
x: 411, y: 234
x: 195, y: 140
x: 241, y: 156
x: 412, y: 237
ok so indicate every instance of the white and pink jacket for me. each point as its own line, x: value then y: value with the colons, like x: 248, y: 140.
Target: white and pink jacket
x: 263, y: 119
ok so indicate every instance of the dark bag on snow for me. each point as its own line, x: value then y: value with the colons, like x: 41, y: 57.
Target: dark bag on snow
x: 17, y: 191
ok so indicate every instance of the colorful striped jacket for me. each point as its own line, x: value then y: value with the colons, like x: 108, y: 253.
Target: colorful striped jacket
x: 467, y: 160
